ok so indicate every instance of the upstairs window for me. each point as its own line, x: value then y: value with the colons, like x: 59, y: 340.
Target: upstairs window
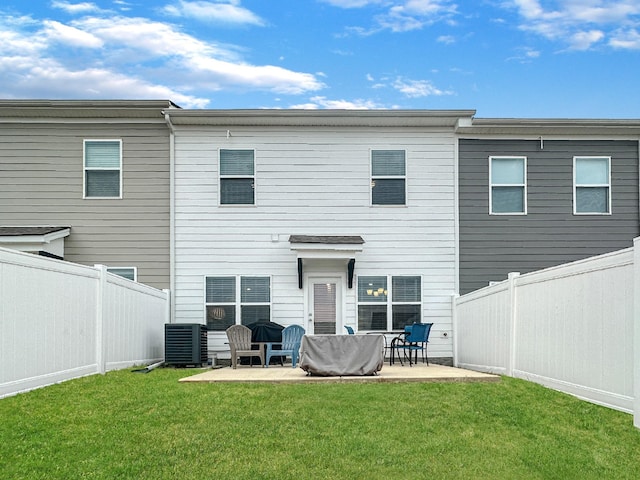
x: 102, y: 169
x: 508, y: 185
x: 130, y: 273
x: 592, y: 185
x: 228, y: 299
x: 388, y: 177
x: 237, y: 177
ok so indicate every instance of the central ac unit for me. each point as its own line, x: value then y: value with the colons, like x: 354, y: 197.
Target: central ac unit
x: 185, y: 344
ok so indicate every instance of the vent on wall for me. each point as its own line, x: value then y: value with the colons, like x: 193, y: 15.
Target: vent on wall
x: 185, y: 344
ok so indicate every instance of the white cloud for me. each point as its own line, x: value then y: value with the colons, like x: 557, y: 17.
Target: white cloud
x: 415, y: 14
x: 48, y: 79
x: 400, y: 15
x: 418, y: 88
x: 580, y: 24
x: 119, y: 52
x: 626, y: 39
x: 209, y: 65
x: 69, y: 35
x: 351, y: 3
x: 585, y: 40
x: 220, y: 11
x: 319, y: 102
x: 76, y: 8
x: 446, y: 39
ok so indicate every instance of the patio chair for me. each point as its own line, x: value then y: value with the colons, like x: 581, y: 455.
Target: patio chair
x: 241, y: 345
x: 290, y: 345
x: 349, y: 330
x: 416, y: 340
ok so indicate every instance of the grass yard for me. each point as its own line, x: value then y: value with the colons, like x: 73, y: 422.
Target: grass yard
x: 148, y: 426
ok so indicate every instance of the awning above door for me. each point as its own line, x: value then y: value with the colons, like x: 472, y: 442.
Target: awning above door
x: 43, y: 240
x: 326, y: 247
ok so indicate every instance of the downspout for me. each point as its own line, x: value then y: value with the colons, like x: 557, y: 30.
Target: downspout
x: 172, y: 214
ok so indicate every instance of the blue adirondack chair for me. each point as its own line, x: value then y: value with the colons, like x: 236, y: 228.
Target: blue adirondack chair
x: 290, y: 345
x: 349, y: 330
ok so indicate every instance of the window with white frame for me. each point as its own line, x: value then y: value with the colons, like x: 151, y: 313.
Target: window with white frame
x: 130, y: 273
x: 383, y: 308
x: 388, y: 177
x: 592, y: 185
x: 237, y: 177
x: 103, y: 169
x: 508, y: 185
x: 236, y: 299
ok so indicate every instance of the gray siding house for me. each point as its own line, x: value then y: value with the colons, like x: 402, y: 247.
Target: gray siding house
x: 88, y: 181
x: 538, y: 193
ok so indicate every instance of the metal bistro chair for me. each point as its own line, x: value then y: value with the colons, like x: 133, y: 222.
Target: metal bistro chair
x: 241, y: 345
x: 399, y: 338
x: 413, y: 342
x: 290, y: 345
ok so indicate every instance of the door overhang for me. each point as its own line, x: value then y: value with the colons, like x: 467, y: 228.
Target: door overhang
x: 330, y: 247
x: 47, y: 241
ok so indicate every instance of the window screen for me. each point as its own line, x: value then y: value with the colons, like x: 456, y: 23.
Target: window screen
x: 102, y: 168
x: 508, y: 185
x: 592, y: 185
x: 379, y: 309
x: 237, y: 177
x: 388, y: 177
x: 230, y: 298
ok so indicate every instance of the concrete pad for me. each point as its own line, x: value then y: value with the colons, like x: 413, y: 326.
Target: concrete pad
x: 395, y: 373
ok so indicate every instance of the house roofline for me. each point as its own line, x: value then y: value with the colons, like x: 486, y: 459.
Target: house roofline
x: 549, y: 126
x: 44, y: 111
x: 329, y: 117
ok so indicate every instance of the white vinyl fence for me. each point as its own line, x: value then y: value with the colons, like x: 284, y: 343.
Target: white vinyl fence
x: 60, y: 320
x: 574, y: 328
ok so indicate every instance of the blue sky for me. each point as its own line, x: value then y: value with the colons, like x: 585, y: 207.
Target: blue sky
x: 503, y: 58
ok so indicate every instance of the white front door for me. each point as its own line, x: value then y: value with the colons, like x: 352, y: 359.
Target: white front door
x: 325, y: 305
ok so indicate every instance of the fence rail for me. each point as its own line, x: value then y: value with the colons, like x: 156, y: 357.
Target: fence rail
x: 60, y: 320
x: 569, y: 327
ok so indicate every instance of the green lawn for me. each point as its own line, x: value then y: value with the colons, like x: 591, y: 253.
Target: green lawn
x: 149, y: 426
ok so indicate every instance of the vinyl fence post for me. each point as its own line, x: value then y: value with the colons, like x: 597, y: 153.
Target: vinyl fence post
x: 636, y: 332
x: 454, y: 321
x: 101, y: 360
x: 167, y: 314
x: 513, y: 316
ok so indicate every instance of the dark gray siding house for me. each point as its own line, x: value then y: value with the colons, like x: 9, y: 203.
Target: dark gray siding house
x: 90, y: 180
x: 543, y: 200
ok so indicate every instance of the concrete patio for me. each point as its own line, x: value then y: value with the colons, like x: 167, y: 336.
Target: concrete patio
x: 395, y: 373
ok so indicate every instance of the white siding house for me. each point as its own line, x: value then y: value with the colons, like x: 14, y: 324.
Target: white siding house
x: 318, y: 218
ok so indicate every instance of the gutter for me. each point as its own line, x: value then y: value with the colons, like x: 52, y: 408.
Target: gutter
x: 172, y: 216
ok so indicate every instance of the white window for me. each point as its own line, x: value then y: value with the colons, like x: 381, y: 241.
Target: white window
x: 102, y: 169
x: 383, y: 308
x: 237, y: 177
x: 388, y: 177
x: 130, y: 273
x: 591, y: 185
x: 229, y: 299
x: 508, y: 185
